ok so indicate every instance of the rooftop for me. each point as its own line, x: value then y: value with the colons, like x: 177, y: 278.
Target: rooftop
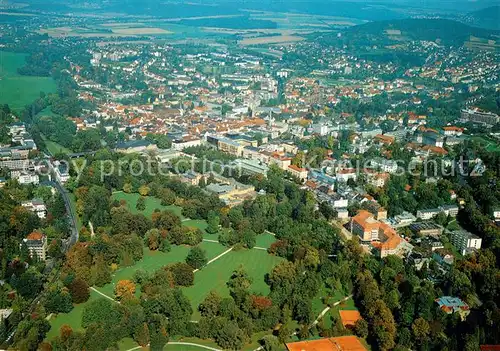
x: 341, y: 343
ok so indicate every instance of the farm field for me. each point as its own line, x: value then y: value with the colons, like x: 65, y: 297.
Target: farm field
x: 214, y: 276
x: 277, y: 39
x: 17, y: 90
x: 97, y: 31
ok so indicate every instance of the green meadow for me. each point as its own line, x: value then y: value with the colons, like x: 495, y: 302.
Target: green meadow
x: 17, y: 90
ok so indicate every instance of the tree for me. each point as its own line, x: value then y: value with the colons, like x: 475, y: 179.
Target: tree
x: 124, y: 289
x: 421, y: 330
x: 213, y: 223
x: 79, y: 290
x: 127, y: 188
x: 230, y: 336
x: 210, y: 306
x: 182, y: 273
x: 197, y: 257
x: 153, y: 239
x: 144, y: 190
x: 141, y: 335
x: 101, y: 272
x: 361, y: 328
x: 100, y: 311
x: 141, y: 203
x: 270, y: 343
x: 58, y: 301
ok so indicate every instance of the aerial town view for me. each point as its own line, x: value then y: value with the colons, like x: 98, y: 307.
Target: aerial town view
x: 258, y: 175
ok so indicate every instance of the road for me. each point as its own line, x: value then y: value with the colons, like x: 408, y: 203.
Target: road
x: 69, y: 210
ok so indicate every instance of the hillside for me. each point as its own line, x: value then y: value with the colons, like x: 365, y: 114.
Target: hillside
x: 443, y: 31
x: 486, y: 18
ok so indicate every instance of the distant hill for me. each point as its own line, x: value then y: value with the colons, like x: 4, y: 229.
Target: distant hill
x: 446, y: 32
x: 488, y: 17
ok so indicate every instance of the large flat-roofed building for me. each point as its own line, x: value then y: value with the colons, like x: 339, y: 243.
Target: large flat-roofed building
x: 230, y: 146
x: 340, y: 343
x: 465, y: 242
x: 382, y: 236
x: 185, y: 142
x: 478, y: 116
x: 426, y: 229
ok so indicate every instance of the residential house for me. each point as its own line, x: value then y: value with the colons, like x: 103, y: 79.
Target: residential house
x: 450, y: 304
x: 36, y: 206
x: 36, y: 243
x: 298, y: 172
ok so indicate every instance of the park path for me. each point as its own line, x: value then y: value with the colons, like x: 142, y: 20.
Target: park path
x: 316, y: 321
x: 102, y: 294
x: 182, y: 343
x: 215, y: 258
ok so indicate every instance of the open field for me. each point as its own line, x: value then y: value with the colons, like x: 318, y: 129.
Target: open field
x: 154, y: 260
x: 490, y: 144
x: 215, y: 276
x: 73, y: 318
x: 54, y: 148
x: 271, y: 40
x: 152, y: 203
x: 17, y: 90
x: 265, y: 240
x: 114, y: 31
x: 140, y: 31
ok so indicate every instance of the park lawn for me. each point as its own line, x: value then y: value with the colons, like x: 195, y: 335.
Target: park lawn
x: 54, y: 148
x: 152, y: 203
x: 215, y: 276
x: 154, y: 260
x: 17, y: 90
x: 127, y: 344
x: 265, y: 240
x: 73, y: 318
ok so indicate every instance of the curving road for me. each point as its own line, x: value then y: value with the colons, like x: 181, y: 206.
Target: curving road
x: 69, y: 210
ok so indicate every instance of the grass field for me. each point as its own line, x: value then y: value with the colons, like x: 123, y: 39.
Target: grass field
x: 214, y: 276
x: 152, y: 203
x: 278, y: 39
x: 489, y: 144
x: 73, y: 318
x: 17, y: 90
x: 265, y: 240
x: 154, y: 260
x: 54, y: 148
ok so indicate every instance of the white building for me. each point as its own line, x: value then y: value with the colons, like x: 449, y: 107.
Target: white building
x: 185, y: 143
x: 24, y: 177
x: 36, y: 206
x: 465, y: 241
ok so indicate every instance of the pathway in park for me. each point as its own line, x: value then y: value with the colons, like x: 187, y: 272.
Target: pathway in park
x: 215, y: 258
x: 316, y: 321
x: 102, y: 294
